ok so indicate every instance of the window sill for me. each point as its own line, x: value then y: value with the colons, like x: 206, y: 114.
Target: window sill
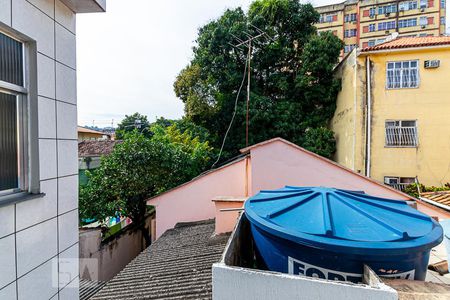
x: 18, y: 197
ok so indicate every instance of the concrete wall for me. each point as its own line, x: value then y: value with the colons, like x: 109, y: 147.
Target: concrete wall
x: 348, y: 121
x: 246, y: 284
x: 193, y: 200
x: 102, y: 261
x: 39, y: 237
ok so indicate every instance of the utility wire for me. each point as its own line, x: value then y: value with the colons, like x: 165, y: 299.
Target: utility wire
x: 234, y: 113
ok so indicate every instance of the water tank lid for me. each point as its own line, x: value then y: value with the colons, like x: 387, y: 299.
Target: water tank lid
x: 350, y: 221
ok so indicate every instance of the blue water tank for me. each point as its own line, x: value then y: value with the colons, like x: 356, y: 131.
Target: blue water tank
x: 331, y: 233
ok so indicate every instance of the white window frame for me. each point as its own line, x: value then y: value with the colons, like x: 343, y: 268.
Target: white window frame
x: 400, y: 67
x: 405, y: 136
x: 423, y: 4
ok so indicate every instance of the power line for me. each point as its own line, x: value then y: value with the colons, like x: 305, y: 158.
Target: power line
x: 234, y: 114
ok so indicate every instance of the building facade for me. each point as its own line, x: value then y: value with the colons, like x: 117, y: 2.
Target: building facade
x: 365, y: 23
x: 391, y: 121
x: 38, y: 148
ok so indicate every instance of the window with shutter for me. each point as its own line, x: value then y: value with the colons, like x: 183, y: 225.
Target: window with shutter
x: 366, y: 13
x: 430, y: 20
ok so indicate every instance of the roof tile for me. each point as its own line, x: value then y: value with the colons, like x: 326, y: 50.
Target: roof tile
x: 410, y: 42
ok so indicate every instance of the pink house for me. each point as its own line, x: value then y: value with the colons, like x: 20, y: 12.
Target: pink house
x: 271, y: 164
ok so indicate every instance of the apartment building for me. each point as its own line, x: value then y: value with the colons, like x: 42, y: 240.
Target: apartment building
x: 38, y: 148
x: 392, y: 118
x: 366, y: 23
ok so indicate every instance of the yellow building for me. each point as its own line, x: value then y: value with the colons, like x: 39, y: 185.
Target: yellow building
x: 366, y: 23
x: 85, y: 134
x: 392, y: 120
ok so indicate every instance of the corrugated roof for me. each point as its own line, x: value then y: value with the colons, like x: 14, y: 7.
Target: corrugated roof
x: 96, y: 148
x: 410, y: 42
x: 177, y: 266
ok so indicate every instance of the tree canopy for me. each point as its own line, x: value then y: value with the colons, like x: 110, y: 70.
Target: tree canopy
x: 134, y: 122
x: 139, y: 168
x: 293, y: 89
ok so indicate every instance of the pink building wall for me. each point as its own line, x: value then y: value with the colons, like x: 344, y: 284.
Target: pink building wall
x: 277, y: 164
x: 193, y: 200
x: 272, y: 164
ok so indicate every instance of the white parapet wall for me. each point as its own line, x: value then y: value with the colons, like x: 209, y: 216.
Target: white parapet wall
x: 241, y: 283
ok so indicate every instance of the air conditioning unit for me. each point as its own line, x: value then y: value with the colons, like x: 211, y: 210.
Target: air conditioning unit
x: 387, y: 32
x: 387, y: 14
x: 432, y: 64
x: 424, y: 26
x: 422, y: 9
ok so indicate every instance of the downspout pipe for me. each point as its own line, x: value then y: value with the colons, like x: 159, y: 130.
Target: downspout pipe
x: 369, y: 116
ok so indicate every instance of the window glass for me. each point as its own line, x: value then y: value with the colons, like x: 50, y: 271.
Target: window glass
x: 403, y: 74
x: 9, y: 170
x: 11, y: 60
x: 401, y: 133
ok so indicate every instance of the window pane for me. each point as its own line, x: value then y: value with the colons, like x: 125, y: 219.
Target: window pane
x: 414, y: 64
x: 405, y: 78
x: 8, y: 142
x: 397, y: 78
x: 390, y: 79
x: 408, y: 123
x: 413, y: 75
x: 11, y: 60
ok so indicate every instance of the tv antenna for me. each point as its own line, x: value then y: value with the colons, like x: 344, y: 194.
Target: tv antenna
x: 248, y: 42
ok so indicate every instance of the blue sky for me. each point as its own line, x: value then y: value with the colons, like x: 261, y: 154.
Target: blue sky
x: 129, y: 57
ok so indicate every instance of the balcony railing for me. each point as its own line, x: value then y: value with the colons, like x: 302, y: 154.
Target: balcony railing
x: 399, y: 186
x: 401, y: 136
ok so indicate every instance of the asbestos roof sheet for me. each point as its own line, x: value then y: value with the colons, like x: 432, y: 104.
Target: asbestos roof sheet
x: 176, y: 266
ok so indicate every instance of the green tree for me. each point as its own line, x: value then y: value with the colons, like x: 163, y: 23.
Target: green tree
x: 293, y: 89
x: 140, y: 168
x: 134, y: 122
x: 321, y: 141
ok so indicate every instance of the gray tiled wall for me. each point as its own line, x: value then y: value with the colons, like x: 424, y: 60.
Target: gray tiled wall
x: 39, y: 238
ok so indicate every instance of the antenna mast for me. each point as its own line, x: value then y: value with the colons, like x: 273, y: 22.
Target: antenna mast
x: 249, y: 43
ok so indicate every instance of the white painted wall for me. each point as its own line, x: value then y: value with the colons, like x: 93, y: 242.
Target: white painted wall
x: 239, y: 283
x: 39, y: 237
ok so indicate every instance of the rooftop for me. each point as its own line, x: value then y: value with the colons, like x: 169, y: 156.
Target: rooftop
x: 410, y: 42
x: 176, y: 266
x: 440, y: 199
x: 87, y: 130
x: 91, y: 148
